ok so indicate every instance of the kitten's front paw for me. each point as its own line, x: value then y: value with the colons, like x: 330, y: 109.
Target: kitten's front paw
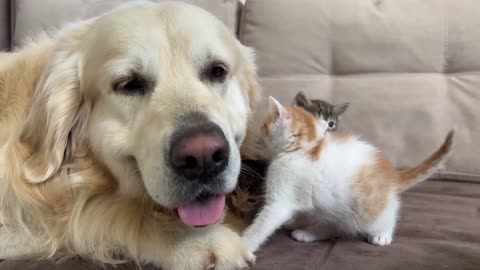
x: 381, y: 239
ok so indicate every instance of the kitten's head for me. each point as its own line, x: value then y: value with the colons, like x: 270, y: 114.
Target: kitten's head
x: 321, y: 109
x: 290, y: 128
x: 247, y: 196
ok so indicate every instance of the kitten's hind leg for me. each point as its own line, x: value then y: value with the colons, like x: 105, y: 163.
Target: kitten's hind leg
x: 380, y: 233
x: 315, y: 232
x: 298, y: 221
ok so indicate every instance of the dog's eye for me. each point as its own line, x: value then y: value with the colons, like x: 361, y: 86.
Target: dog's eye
x: 217, y: 72
x: 131, y: 86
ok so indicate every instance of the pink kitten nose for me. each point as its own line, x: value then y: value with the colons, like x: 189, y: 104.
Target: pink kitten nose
x: 200, y: 155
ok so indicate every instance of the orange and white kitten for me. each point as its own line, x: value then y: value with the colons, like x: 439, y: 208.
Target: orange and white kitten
x: 337, y: 183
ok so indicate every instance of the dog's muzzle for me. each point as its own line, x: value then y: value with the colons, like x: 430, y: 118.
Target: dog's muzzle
x: 199, y: 154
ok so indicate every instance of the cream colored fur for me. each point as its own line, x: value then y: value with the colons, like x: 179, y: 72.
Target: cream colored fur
x: 83, y: 169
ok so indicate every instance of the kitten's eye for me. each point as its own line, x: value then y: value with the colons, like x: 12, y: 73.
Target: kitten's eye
x: 331, y: 124
x: 131, y: 86
x: 217, y: 72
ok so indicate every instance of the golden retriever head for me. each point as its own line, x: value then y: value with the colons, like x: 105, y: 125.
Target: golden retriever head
x: 160, y: 94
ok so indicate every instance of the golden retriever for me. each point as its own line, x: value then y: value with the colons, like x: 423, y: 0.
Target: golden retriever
x: 120, y: 135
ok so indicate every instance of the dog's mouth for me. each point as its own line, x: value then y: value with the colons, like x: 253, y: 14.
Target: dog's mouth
x: 206, y: 209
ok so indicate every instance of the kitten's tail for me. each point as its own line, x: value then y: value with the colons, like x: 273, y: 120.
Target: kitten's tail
x: 424, y: 170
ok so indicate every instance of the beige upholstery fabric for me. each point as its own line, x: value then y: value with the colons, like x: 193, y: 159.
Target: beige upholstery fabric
x: 4, y: 25
x: 32, y: 16
x: 410, y: 68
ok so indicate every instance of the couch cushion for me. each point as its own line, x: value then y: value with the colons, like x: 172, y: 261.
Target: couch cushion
x: 4, y: 25
x: 411, y: 69
x: 32, y: 16
x: 438, y: 229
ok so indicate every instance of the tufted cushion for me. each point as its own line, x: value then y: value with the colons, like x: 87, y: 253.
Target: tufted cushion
x: 32, y: 16
x: 411, y: 69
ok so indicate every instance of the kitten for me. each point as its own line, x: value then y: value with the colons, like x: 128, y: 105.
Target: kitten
x: 321, y: 109
x: 341, y: 185
x: 248, y: 197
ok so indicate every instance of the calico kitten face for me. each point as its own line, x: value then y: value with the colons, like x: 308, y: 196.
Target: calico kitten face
x: 321, y: 109
x: 244, y: 200
x: 290, y: 128
x: 248, y: 197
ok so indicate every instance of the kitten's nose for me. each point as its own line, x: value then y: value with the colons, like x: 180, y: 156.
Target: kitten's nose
x: 200, y: 153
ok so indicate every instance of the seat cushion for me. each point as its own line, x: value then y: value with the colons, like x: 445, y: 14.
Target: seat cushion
x: 438, y: 229
x: 410, y: 69
x: 33, y: 16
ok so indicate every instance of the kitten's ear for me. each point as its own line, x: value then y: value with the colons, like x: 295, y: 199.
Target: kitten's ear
x: 276, y: 109
x: 340, y: 109
x: 301, y: 100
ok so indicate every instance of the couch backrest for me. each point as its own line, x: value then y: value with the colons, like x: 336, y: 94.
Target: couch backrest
x: 32, y: 16
x: 4, y: 25
x: 411, y: 69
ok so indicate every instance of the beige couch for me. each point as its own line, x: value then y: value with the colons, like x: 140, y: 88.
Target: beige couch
x: 411, y: 70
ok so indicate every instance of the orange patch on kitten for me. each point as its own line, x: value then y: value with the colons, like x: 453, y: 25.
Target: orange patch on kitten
x: 372, y: 187
x: 303, y: 124
x: 316, y: 150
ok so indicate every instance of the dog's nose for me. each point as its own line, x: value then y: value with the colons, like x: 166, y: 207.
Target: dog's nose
x: 200, y: 154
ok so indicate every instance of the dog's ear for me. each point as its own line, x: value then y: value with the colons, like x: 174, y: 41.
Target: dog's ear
x: 252, y: 147
x: 249, y: 79
x: 55, y: 112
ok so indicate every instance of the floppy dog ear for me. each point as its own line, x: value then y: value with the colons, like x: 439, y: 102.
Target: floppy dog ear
x: 54, y: 113
x: 252, y: 148
x: 250, y: 79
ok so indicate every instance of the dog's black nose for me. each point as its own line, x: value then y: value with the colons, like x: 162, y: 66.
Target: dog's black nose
x: 199, y: 152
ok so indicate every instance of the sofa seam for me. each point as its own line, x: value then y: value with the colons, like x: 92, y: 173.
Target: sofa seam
x: 241, y: 21
x: 12, y: 20
x: 227, y: 18
x: 445, y: 72
x: 368, y: 74
x: 445, y: 37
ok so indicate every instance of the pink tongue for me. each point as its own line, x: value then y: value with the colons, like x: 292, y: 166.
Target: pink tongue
x: 201, y: 213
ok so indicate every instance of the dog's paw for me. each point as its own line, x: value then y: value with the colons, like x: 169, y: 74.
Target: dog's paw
x: 228, y: 251
x: 216, y: 248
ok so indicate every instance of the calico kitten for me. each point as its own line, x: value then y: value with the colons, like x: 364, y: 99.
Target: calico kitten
x: 339, y: 184
x: 321, y: 109
x: 246, y: 200
x: 248, y: 197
